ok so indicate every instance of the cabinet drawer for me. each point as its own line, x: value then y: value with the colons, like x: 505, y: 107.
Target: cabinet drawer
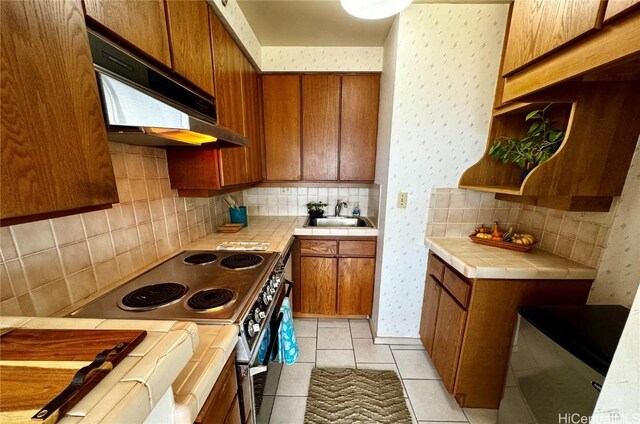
x: 318, y: 247
x: 460, y: 290
x: 436, y: 267
x: 357, y: 248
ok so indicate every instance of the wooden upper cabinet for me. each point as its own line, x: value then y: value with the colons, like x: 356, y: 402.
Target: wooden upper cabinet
x: 616, y: 8
x: 359, y: 127
x: 228, y: 69
x: 190, y: 42
x: 320, y: 127
x: 54, y: 148
x: 539, y: 27
x: 281, y: 100
x: 143, y: 24
x: 251, y: 93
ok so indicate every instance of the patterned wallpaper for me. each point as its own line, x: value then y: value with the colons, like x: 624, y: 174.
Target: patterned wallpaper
x: 446, y: 67
x: 337, y: 59
x: 48, y: 265
x: 619, y: 270
x: 232, y: 15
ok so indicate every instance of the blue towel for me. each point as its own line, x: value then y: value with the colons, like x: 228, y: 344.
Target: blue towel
x: 287, y: 343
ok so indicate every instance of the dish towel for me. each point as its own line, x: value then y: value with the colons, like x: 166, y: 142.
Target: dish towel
x: 287, y: 343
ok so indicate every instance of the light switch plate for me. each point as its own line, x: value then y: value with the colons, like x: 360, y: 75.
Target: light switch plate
x: 188, y: 203
x: 285, y: 190
x: 402, y: 199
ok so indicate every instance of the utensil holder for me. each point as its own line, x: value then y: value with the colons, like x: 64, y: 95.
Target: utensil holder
x: 239, y: 215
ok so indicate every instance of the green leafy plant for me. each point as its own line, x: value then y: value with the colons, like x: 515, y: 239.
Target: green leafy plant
x: 540, y: 143
x: 315, y: 206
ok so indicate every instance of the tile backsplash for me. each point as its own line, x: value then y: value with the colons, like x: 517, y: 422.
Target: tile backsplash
x: 291, y: 201
x: 456, y: 213
x: 48, y: 265
x: 579, y: 236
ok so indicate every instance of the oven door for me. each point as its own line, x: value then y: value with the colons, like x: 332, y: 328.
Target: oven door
x: 264, y: 373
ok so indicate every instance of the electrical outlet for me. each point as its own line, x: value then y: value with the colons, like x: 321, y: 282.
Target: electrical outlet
x: 285, y: 190
x: 402, y: 199
x: 188, y: 203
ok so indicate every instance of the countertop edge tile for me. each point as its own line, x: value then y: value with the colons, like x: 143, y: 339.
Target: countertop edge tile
x: 477, y: 261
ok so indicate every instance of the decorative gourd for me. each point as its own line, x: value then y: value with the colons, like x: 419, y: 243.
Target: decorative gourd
x: 496, y: 234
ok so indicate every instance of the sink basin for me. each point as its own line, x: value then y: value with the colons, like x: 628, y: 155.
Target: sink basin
x: 333, y: 221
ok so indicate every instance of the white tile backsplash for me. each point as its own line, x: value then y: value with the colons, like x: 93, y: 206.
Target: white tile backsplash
x: 291, y: 201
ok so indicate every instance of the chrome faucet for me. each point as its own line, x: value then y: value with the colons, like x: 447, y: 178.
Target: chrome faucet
x: 339, y: 207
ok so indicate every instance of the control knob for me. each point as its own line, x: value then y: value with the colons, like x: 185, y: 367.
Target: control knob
x: 258, y: 315
x: 252, y: 328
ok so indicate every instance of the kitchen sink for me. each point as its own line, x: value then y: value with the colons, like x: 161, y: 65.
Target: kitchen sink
x: 333, y: 221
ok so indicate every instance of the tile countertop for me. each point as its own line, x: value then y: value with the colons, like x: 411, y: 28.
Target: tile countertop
x: 478, y: 261
x: 278, y: 231
x: 133, y: 388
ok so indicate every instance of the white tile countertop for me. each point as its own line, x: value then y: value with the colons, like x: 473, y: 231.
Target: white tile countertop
x: 195, y: 382
x: 278, y: 231
x: 478, y: 261
x: 134, y: 387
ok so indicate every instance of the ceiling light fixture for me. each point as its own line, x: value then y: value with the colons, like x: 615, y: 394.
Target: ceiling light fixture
x: 374, y: 9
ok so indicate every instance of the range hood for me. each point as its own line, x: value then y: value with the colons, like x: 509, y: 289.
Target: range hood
x: 144, y: 107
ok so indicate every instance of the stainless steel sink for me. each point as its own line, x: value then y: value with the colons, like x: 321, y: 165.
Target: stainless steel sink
x: 333, y: 221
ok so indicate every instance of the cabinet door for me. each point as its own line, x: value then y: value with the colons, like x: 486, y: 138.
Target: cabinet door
x: 539, y: 26
x: 190, y: 42
x: 320, y: 127
x: 355, y: 285
x: 616, y: 8
x: 430, y: 302
x: 359, y: 127
x: 318, y: 281
x: 252, y: 120
x: 143, y: 24
x: 228, y: 68
x: 281, y: 110
x: 447, y: 339
x: 55, y: 155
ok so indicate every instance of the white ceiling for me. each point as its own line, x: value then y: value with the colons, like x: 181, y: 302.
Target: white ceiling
x: 311, y: 23
x: 318, y: 23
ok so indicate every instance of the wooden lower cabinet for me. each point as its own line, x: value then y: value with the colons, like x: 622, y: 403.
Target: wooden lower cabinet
x: 467, y: 326
x: 355, y: 283
x: 432, y: 293
x: 447, y: 338
x: 222, y: 405
x: 333, y: 276
x: 318, y: 285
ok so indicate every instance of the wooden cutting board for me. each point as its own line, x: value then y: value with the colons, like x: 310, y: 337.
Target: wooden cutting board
x: 36, y: 366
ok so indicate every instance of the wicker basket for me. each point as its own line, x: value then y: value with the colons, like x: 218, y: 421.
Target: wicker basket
x: 502, y: 244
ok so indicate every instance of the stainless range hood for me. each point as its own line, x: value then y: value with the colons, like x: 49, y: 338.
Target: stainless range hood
x: 144, y: 107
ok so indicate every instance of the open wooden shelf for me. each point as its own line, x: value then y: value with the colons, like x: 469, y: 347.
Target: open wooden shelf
x: 510, y: 190
x: 601, y: 120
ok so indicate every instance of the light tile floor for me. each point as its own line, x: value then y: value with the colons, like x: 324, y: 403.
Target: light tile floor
x: 349, y: 343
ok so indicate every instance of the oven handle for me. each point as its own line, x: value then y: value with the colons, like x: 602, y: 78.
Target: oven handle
x: 289, y: 287
x: 257, y: 370
x: 274, y: 339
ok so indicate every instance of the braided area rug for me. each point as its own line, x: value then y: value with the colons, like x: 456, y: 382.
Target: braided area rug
x: 350, y: 396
